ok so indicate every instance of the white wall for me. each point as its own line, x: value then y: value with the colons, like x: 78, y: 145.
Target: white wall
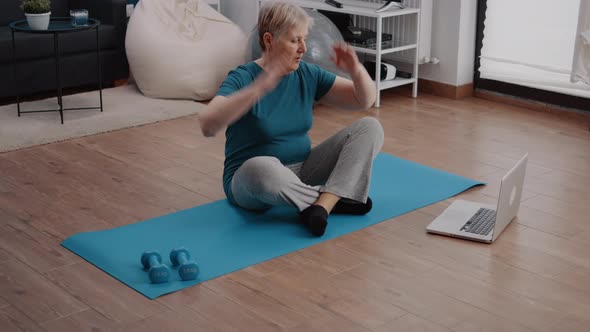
x: 453, y: 42
x: 242, y: 12
x: 467, y: 36
x: 453, y: 36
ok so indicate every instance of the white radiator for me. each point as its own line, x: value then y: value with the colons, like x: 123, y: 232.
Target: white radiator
x: 404, y: 27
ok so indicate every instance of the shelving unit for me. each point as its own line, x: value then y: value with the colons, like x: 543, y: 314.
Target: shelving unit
x: 367, y: 9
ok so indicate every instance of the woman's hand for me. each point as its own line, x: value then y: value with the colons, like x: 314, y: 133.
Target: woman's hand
x: 273, y: 71
x: 345, y: 58
x: 223, y: 111
x: 268, y: 80
x: 359, y: 92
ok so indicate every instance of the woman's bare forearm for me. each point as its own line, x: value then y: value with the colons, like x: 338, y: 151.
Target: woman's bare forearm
x: 223, y: 111
x: 364, y: 87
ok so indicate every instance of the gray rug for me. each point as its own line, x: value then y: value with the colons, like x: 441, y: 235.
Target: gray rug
x: 123, y: 107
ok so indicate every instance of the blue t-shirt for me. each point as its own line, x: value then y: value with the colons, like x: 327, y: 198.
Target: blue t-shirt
x: 278, y: 124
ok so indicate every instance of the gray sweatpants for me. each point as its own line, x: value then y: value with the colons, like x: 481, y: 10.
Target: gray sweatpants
x: 341, y: 165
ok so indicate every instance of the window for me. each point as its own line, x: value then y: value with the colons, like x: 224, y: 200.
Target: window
x: 528, y: 45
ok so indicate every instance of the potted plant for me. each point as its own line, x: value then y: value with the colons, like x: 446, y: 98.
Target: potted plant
x: 37, y: 13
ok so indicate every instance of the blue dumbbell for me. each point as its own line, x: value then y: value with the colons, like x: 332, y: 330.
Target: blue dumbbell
x: 158, y: 272
x: 188, y: 269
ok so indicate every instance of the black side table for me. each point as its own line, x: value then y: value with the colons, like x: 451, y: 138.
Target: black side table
x: 57, y: 26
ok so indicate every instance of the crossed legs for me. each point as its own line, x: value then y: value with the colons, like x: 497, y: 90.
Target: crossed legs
x: 335, y: 175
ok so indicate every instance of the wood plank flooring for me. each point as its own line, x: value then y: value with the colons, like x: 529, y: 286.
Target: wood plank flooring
x: 389, y: 277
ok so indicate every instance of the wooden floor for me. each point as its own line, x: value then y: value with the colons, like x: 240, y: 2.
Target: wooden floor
x: 389, y: 277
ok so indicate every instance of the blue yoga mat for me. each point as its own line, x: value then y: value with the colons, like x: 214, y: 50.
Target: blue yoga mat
x: 223, y: 238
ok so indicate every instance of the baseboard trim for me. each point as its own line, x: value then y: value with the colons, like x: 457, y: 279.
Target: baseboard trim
x: 532, y: 105
x: 445, y: 90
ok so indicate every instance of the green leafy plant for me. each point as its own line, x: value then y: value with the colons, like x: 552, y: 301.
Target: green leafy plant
x: 36, y: 6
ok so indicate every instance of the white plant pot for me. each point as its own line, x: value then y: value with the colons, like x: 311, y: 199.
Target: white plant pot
x: 38, y: 21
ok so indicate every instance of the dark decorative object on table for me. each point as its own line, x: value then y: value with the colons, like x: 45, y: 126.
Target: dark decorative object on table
x: 35, y: 52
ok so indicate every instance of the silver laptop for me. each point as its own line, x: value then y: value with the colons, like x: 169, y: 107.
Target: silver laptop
x: 483, y: 222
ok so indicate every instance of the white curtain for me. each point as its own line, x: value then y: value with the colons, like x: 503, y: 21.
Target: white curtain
x: 581, y: 63
x: 531, y: 43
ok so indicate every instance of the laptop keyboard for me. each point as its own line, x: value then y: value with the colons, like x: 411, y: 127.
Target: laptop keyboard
x: 481, y: 222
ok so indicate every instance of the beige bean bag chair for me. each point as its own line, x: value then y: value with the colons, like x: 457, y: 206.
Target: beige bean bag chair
x: 182, y: 49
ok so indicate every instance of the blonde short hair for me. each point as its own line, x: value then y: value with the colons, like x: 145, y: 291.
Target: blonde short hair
x: 278, y: 18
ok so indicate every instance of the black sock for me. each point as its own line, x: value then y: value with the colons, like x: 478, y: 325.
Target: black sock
x: 353, y: 208
x: 315, y: 218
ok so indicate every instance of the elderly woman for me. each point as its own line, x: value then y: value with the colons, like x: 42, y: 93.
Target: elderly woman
x: 266, y: 106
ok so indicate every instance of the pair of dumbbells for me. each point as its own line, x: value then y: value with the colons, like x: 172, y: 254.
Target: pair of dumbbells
x: 160, y: 273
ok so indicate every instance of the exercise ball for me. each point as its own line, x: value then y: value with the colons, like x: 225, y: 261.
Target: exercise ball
x: 322, y: 35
